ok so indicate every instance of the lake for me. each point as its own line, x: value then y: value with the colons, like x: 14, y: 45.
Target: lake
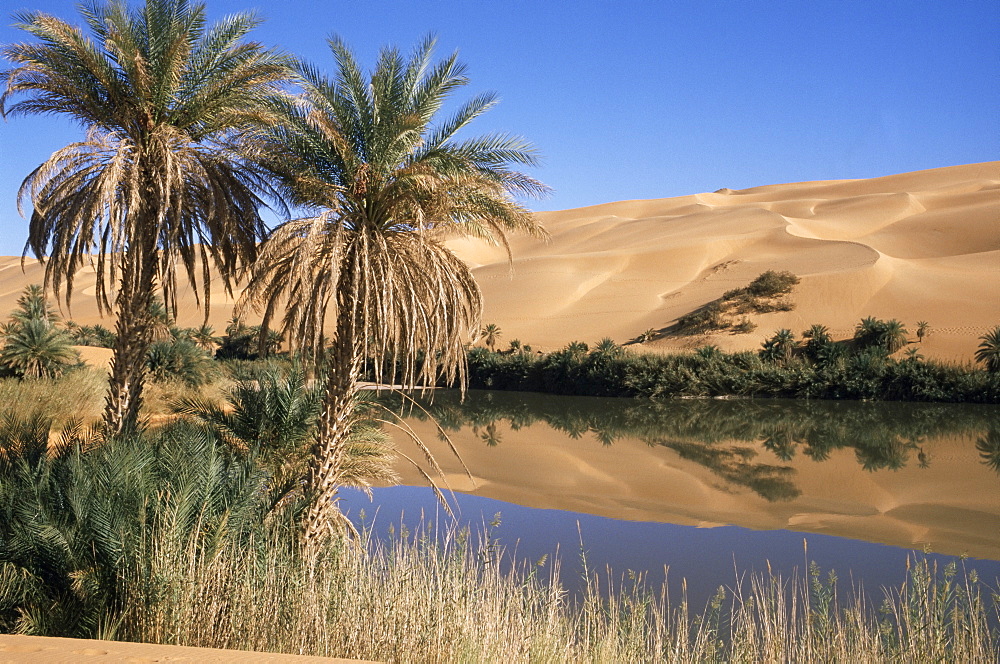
x: 711, y: 489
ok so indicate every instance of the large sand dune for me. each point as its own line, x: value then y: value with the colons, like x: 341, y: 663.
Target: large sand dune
x: 914, y: 246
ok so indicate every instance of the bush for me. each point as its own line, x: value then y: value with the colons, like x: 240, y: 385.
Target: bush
x: 179, y: 359
x: 772, y: 284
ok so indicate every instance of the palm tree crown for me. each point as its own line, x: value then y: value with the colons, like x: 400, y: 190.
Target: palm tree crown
x: 389, y: 185
x: 988, y: 351
x: 154, y: 188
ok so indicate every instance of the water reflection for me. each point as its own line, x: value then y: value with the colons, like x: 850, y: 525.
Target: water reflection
x: 710, y: 431
x: 989, y: 449
x: 909, y: 475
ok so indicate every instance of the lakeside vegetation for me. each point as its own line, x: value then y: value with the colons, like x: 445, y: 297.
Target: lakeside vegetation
x: 185, y: 534
x: 817, y: 367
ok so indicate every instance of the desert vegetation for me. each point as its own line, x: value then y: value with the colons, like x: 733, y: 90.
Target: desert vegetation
x: 814, y: 366
x: 767, y: 293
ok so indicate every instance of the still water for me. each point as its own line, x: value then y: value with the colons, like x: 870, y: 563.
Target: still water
x: 711, y: 489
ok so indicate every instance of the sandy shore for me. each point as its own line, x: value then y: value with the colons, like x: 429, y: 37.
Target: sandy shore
x: 915, y: 246
x: 48, y: 650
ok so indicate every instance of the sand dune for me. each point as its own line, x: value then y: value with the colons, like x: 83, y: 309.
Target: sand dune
x: 914, y: 246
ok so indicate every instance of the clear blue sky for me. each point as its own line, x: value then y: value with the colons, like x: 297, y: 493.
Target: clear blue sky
x: 653, y: 99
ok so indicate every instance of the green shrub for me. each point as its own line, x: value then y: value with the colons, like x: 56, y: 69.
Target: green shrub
x: 179, y: 359
x: 773, y: 284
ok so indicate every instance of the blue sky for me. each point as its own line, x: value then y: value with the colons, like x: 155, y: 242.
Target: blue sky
x: 653, y: 99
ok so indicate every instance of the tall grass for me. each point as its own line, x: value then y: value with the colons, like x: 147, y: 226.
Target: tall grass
x: 78, y: 395
x: 450, y: 597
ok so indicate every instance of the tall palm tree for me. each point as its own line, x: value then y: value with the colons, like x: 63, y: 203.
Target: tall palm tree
x: 154, y: 189
x: 490, y: 335
x: 388, y: 185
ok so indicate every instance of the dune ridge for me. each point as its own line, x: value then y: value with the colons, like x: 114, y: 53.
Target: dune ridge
x: 914, y: 246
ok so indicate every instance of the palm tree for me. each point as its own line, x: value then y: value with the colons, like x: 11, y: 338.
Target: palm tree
x: 607, y: 348
x: 32, y: 305
x: 866, y: 332
x: 989, y: 349
x: 892, y: 336
x: 204, y: 337
x: 923, y: 330
x: 388, y: 187
x: 37, y: 349
x: 780, y: 347
x: 154, y: 188
x: 648, y: 335
x: 819, y: 339
x: 490, y: 335
x: 33, y: 346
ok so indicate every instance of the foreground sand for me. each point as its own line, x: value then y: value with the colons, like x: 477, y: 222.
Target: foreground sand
x: 48, y: 650
x: 915, y: 246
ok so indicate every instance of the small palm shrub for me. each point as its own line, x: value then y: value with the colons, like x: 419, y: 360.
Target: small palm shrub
x: 243, y: 342
x: 37, y: 349
x: 271, y: 414
x: 779, y: 347
x: 181, y: 360
x: 90, y: 335
x: 989, y: 350
x: 33, y: 346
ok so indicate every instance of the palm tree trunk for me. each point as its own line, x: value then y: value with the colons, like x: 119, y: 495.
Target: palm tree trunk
x: 134, y: 329
x: 323, y: 518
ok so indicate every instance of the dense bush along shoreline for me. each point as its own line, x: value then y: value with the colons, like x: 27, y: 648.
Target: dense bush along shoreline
x: 844, y: 371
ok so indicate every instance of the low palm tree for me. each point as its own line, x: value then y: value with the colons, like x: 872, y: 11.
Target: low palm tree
x: 154, y: 189
x: 780, y: 347
x: 273, y: 415
x: 892, y: 336
x: 33, y: 345
x: 867, y: 331
x: 36, y: 349
x: 818, y: 340
x: 204, y: 337
x: 989, y: 349
x: 388, y: 186
x: 648, y: 335
x: 490, y: 335
x: 607, y: 348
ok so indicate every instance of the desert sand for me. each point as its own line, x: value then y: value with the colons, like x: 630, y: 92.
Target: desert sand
x: 915, y: 246
x: 47, y: 650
